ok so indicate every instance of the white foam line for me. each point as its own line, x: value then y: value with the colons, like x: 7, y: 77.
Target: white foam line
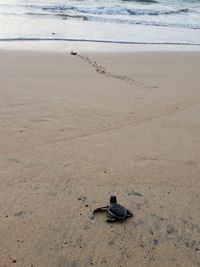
x: 94, y: 41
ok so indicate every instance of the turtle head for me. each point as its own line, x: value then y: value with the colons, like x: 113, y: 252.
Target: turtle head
x: 113, y: 199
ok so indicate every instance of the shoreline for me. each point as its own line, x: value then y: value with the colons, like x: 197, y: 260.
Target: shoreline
x: 81, y: 46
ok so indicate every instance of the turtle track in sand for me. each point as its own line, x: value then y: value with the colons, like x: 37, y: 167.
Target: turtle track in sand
x: 101, y: 70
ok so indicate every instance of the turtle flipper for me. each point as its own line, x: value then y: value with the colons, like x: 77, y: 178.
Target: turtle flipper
x: 111, y: 219
x: 129, y: 213
x: 101, y: 209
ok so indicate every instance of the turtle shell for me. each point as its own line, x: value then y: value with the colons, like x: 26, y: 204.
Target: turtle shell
x: 117, y: 211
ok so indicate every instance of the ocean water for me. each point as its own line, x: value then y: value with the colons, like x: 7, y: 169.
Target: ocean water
x: 118, y: 21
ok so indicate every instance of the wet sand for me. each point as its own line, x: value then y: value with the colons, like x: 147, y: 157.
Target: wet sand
x: 75, y: 130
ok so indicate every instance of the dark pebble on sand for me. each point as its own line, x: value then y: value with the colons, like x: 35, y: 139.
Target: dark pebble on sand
x: 86, y: 205
x: 83, y: 198
x: 14, y: 261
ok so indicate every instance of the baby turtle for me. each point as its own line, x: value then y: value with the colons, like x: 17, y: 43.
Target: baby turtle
x: 73, y: 53
x: 115, y: 210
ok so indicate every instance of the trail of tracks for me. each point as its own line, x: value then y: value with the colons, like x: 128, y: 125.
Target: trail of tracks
x: 101, y: 70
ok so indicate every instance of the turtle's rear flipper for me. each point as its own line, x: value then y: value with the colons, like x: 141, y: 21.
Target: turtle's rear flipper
x: 101, y: 209
x: 129, y: 213
x: 111, y: 219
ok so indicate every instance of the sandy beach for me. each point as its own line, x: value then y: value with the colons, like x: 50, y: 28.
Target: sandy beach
x: 76, y: 129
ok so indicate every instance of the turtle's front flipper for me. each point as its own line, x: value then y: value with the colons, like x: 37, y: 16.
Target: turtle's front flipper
x: 101, y: 209
x: 129, y: 213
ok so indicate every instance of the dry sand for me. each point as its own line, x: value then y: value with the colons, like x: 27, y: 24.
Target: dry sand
x: 72, y: 133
